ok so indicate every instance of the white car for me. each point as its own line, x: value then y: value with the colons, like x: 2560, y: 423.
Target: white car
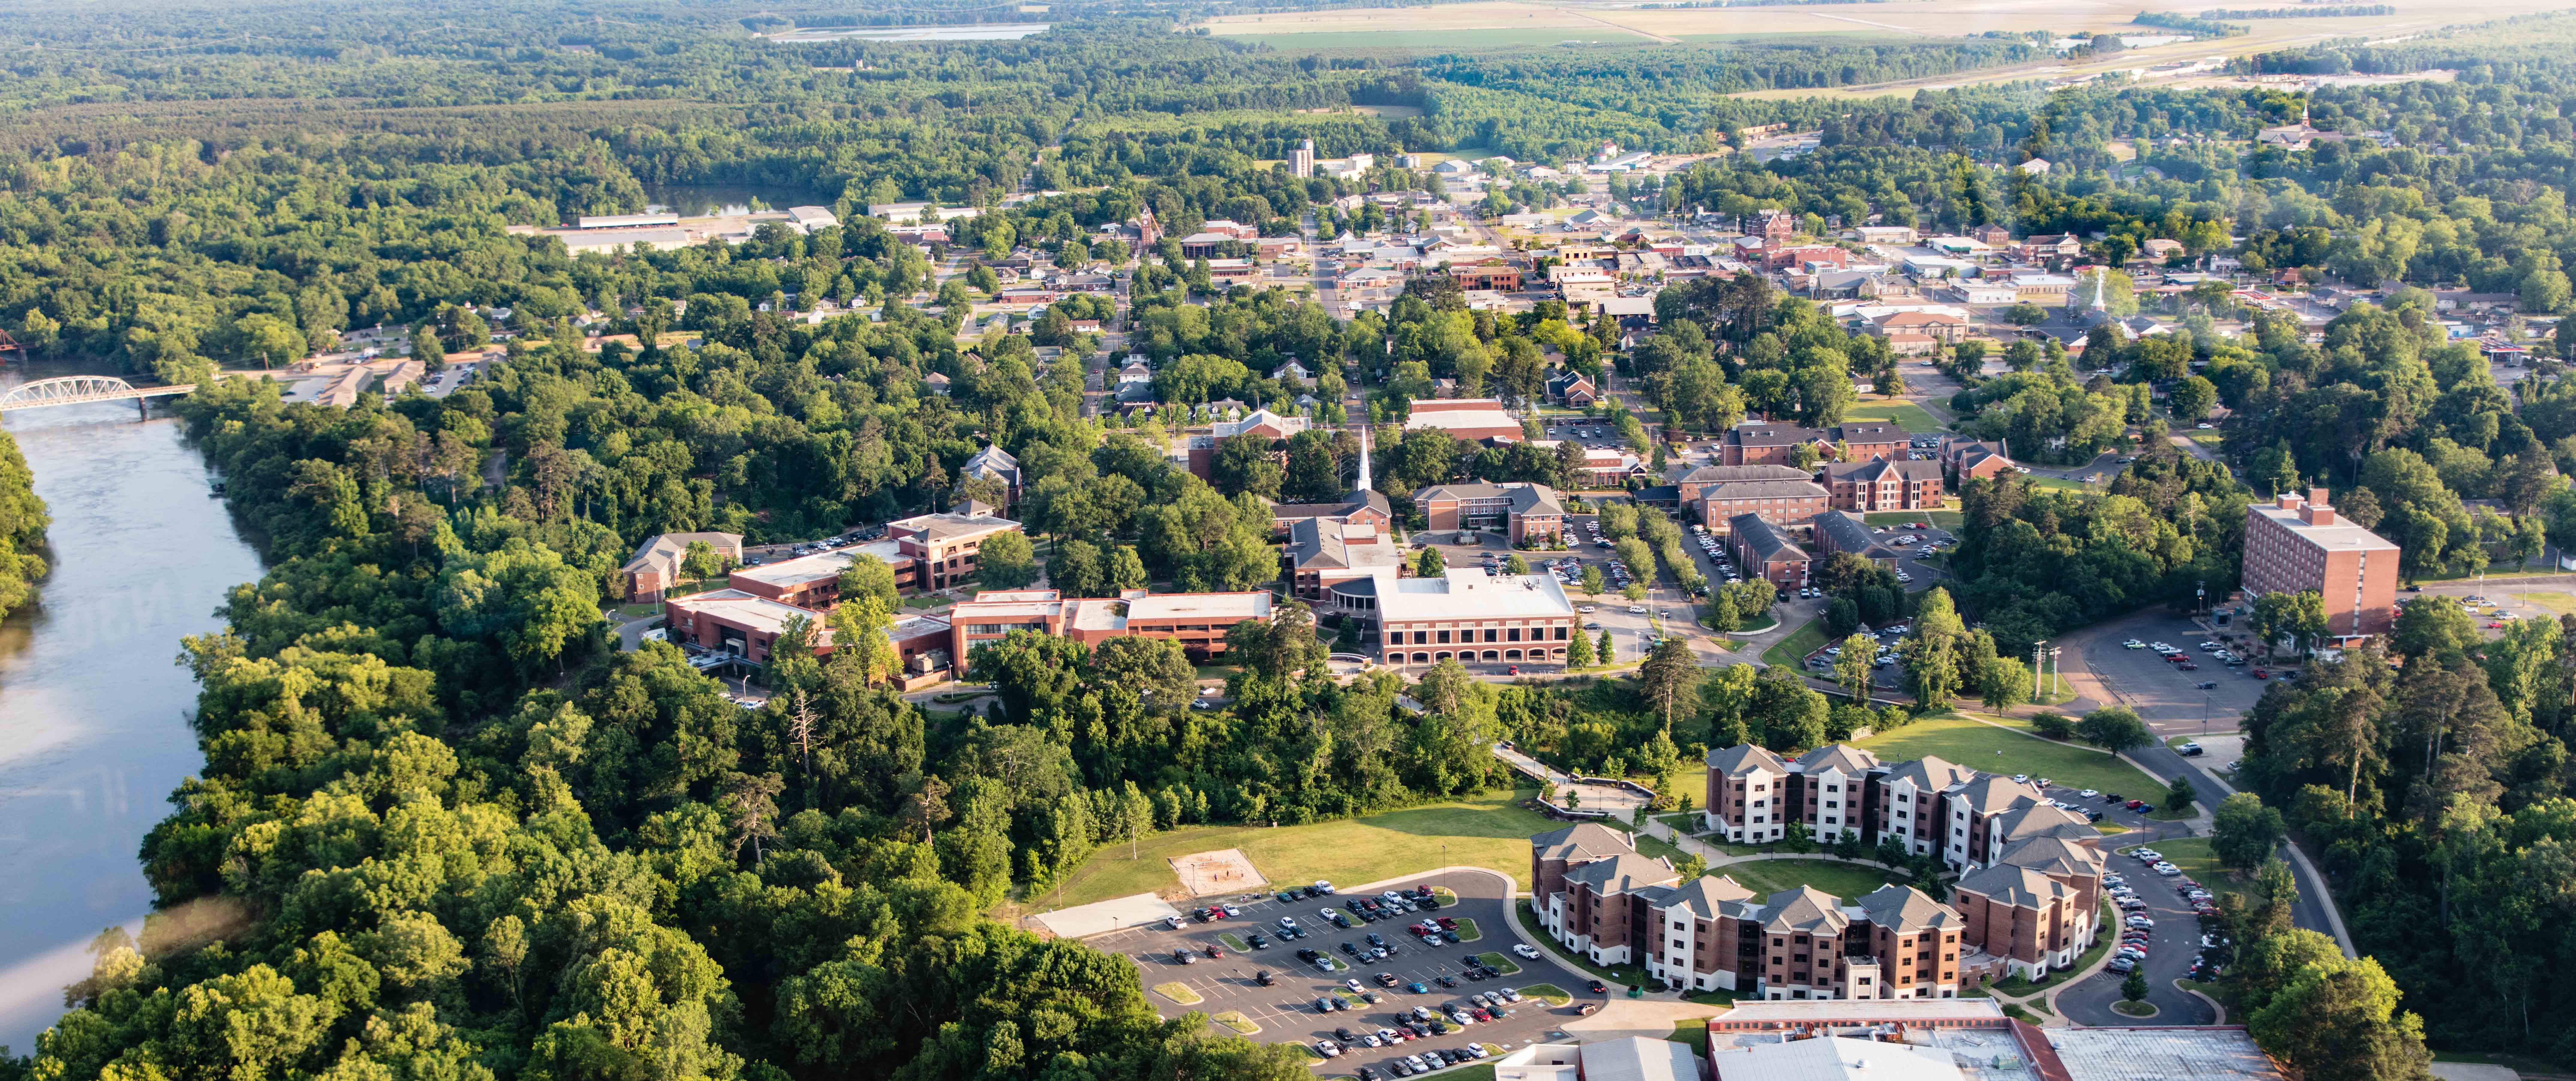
x: 1328, y: 1049
x: 2090, y: 793
x: 2133, y: 644
x: 1636, y: 609
x: 2148, y: 855
x: 1525, y: 950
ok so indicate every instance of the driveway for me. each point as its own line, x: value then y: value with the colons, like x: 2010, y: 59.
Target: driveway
x: 2172, y: 944
x: 1286, y: 1011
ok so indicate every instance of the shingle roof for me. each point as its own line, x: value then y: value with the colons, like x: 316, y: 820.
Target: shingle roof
x: 1994, y: 794
x: 2041, y: 820
x: 1930, y: 774
x: 1847, y: 533
x: 1768, y: 543
x: 1804, y: 909
x: 1718, y: 474
x: 1743, y: 758
x: 2053, y: 855
x: 1583, y: 840
x: 1877, y: 469
x: 1763, y: 489
x: 2017, y: 886
x: 1774, y: 435
x: 1904, y: 909
x: 1626, y: 872
x: 1706, y: 897
x: 1839, y: 757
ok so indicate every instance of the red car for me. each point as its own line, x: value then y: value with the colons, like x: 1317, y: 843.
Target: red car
x: 1513, y: 670
x: 2136, y: 805
x: 2261, y: 674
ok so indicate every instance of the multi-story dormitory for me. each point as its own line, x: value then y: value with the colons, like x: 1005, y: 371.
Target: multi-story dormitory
x: 2033, y: 912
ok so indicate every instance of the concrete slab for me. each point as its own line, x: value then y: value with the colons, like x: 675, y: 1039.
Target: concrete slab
x: 1102, y: 917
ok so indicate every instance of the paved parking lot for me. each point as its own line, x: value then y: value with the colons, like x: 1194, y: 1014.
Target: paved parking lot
x: 2171, y: 946
x: 1286, y: 1011
x: 2168, y: 698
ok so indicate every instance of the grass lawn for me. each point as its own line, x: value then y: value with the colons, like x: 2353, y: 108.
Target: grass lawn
x: 1941, y: 519
x: 1491, y: 830
x: 1792, y: 651
x: 1467, y: 931
x: 926, y: 600
x: 1178, y: 992
x: 1768, y: 623
x: 1498, y: 962
x: 1234, y: 942
x: 1903, y: 414
x: 1844, y: 880
x: 2059, y: 483
x: 1978, y: 745
x: 633, y: 610
x: 1237, y: 1022
x: 1548, y: 993
x: 1693, y: 1032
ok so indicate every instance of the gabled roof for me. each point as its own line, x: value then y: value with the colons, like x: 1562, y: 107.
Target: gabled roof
x: 2053, y: 855
x: 1994, y: 794
x: 1839, y: 757
x: 1626, y: 872
x: 1905, y: 910
x: 1744, y: 758
x: 1774, y: 435
x: 1847, y: 533
x: 1583, y: 840
x: 1930, y: 774
x: 1766, y: 540
x: 2042, y: 820
x: 1806, y: 909
x: 2017, y: 886
x: 1706, y: 897
x: 1720, y: 474
x: 1763, y: 489
x: 1878, y: 469
x: 1871, y: 433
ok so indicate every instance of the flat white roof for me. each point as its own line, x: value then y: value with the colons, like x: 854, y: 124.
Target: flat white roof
x: 1834, y: 1058
x: 1862, y: 1011
x: 1251, y: 605
x: 801, y: 569
x: 2161, y: 1054
x: 757, y: 613
x: 1489, y: 417
x: 1470, y: 593
x: 2342, y: 536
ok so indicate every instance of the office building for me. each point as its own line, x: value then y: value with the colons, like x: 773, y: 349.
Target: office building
x: 1198, y: 621
x: 942, y: 547
x: 1520, y: 511
x: 656, y: 564
x: 1465, y: 614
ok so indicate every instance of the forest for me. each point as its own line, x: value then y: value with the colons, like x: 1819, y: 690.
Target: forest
x: 22, y: 529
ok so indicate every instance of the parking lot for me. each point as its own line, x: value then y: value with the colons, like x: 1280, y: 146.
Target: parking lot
x: 1286, y: 1011
x: 2172, y: 945
x: 2169, y: 697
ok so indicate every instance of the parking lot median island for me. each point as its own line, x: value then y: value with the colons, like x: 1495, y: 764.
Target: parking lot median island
x: 1234, y: 942
x: 1237, y: 1022
x: 1178, y: 992
x: 1548, y: 993
x: 1498, y: 962
x: 1467, y: 931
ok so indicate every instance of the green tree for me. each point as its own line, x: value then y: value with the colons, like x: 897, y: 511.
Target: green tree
x: 1578, y: 652
x: 1006, y: 561
x: 2243, y: 832
x: 1609, y: 654
x: 2338, y: 1021
x: 1852, y: 668
x: 699, y: 561
x: 2003, y: 683
x: 1429, y: 564
x: 2134, y: 988
x: 2178, y: 795
x: 1931, y: 650
x: 1592, y: 580
x: 1668, y: 676
x: 1514, y: 564
x: 2191, y: 398
x: 2114, y: 729
x: 867, y: 576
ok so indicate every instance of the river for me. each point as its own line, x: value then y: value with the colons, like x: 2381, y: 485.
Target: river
x: 94, y: 729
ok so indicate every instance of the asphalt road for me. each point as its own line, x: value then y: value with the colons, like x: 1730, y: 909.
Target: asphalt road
x: 1286, y: 1012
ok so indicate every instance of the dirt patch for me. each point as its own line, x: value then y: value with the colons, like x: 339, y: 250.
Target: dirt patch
x: 1223, y: 871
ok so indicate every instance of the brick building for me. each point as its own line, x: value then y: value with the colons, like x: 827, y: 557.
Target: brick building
x: 1519, y: 510
x: 1842, y: 531
x: 1596, y: 895
x: 1759, y: 443
x: 2293, y: 545
x: 1689, y: 482
x: 1762, y: 550
x: 655, y: 567
x: 1930, y: 806
x: 1967, y: 458
x: 1324, y: 551
x: 1198, y: 621
x: 942, y: 547
x: 1465, y: 614
x: 1782, y: 503
x: 1878, y: 484
x: 747, y: 626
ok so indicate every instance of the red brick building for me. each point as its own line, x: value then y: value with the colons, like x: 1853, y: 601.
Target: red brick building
x: 655, y: 567
x: 1763, y: 551
x: 1198, y: 621
x: 1519, y: 510
x: 1783, y: 503
x: 1880, y: 484
x: 2293, y: 545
